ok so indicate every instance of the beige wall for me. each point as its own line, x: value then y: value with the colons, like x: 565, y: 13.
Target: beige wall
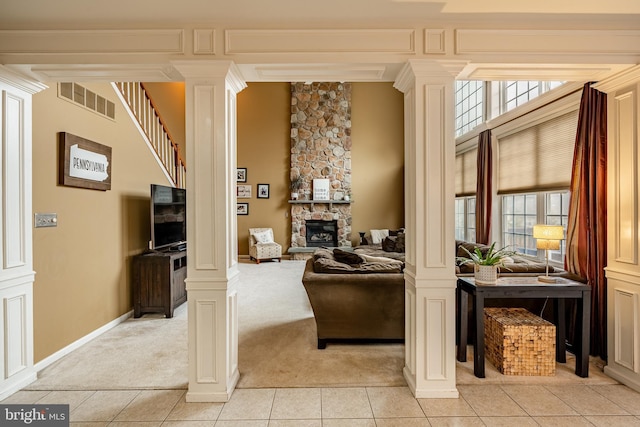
x: 377, y: 158
x: 82, y: 265
x: 263, y: 148
x: 377, y: 120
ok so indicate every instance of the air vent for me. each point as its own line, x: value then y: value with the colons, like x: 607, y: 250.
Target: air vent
x: 82, y: 96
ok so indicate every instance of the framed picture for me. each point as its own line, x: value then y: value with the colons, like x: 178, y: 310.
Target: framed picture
x: 263, y: 191
x: 83, y: 163
x: 241, y: 175
x: 243, y: 191
x: 243, y: 209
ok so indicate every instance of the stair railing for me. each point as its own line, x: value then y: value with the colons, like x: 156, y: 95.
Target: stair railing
x: 154, y: 130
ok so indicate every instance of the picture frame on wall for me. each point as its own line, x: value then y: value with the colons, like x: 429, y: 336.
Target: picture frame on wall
x: 241, y: 175
x: 263, y: 191
x: 242, y: 208
x: 243, y: 191
x: 83, y: 163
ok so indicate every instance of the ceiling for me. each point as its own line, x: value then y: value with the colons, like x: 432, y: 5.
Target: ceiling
x: 85, y: 14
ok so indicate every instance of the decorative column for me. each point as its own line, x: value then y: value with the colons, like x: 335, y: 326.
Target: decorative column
x: 16, y: 268
x: 212, y: 261
x: 623, y: 228
x: 430, y: 281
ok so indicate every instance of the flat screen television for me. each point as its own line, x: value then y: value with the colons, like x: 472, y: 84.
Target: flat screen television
x: 168, y: 218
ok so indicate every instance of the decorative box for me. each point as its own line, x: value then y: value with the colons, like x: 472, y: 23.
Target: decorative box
x: 518, y: 342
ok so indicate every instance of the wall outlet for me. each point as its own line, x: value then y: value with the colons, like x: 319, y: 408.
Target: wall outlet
x: 46, y: 220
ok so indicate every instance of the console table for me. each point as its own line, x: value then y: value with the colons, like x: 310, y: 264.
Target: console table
x: 524, y: 287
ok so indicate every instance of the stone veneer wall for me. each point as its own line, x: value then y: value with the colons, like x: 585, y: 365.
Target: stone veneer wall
x: 321, y: 148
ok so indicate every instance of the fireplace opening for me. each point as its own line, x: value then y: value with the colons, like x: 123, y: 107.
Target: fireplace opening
x: 322, y: 233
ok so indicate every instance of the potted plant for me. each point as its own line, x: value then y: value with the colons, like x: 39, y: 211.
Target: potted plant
x: 486, y: 263
x: 295, y: 186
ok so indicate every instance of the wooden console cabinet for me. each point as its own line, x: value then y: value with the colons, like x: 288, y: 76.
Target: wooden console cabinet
x: 158, y: 282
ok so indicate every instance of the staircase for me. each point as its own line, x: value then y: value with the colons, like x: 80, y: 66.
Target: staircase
x: 153, y: 130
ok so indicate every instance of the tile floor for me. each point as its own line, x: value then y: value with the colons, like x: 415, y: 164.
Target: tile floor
x: 479, y: 405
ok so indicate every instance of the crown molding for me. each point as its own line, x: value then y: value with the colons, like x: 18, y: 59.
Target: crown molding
x: 618, y: 81
x: 19, y: 81
x: 100, y: 72
x: 554, y: 72
x: 318, y: 72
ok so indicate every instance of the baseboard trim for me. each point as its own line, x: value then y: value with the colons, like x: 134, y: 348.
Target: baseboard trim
x: 18, y: 384
x: 80, y: 342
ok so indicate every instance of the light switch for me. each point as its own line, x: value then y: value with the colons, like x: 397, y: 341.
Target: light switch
x: 46, y: 220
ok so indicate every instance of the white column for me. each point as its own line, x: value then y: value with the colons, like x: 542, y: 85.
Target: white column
x: 623, y: 226
x: 16, y: 250
x: 430, y: 364
x: 212, y: 254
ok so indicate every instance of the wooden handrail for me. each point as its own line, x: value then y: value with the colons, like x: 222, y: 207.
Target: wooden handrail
x: 164, y: 126
x: 158, y: 136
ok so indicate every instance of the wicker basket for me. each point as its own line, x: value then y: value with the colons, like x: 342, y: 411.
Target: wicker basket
x: 518, y: 342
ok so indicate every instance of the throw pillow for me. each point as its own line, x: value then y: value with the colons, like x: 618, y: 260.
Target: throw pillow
x: 263, y: 236
x: 377, y: 236
x: 400, y: 239
x: 347, y: 257
x: 389, y: 244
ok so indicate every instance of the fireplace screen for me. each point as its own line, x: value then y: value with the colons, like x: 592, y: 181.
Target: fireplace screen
x: 322, y: 233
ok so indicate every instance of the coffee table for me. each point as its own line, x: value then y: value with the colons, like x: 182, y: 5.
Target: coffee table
x: 524, y: 287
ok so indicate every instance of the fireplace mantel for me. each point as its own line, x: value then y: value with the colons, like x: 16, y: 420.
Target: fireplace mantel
x: 312, y: 202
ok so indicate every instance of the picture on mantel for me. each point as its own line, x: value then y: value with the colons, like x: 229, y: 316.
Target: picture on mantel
x: 321, y: 189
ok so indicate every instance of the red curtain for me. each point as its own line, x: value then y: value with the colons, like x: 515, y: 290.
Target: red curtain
x: 483, y: 188
x: 586, y: 253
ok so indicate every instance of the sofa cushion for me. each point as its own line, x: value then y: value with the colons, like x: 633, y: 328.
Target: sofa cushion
x: 400, y: 242
x: 394, y: 243
x: 323, y: 253
x: 331, y: 266
x: 347, y: 257
x: 389, y: 244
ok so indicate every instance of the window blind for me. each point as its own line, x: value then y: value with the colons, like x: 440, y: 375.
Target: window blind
x: 466, y: 173
x: 538, y: 158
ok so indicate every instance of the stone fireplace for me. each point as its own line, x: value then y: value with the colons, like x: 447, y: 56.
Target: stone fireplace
x: 321, y: 149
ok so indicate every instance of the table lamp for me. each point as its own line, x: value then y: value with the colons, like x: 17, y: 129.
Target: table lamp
x: 548, y: 237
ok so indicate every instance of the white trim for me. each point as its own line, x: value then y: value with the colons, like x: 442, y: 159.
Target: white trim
x: 80, y: 342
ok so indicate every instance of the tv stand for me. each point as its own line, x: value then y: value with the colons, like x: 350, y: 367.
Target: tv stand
x: 158, y: 282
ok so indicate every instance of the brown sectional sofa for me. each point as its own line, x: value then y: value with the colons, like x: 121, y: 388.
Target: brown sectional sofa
x: 355, y: 303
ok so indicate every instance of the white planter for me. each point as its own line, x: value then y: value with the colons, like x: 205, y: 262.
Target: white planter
x: 486, y: 274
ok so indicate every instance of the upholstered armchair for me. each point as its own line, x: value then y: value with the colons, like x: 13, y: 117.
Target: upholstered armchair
x: 262, y: 246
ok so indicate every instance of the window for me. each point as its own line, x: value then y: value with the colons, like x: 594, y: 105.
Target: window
x: 516, y: 93
x: 557, y: 213
x: 469, y: 105
x: 465, y: 213
x: 519, y: 215
x: 520, y: 212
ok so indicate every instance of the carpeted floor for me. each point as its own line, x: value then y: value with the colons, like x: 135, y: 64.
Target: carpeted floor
x: 277, y: 348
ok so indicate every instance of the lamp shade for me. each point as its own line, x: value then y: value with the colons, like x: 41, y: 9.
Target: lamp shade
x: 548, y: 236
x: 548, y: 232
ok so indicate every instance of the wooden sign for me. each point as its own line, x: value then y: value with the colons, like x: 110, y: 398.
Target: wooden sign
x: 83, y: 163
